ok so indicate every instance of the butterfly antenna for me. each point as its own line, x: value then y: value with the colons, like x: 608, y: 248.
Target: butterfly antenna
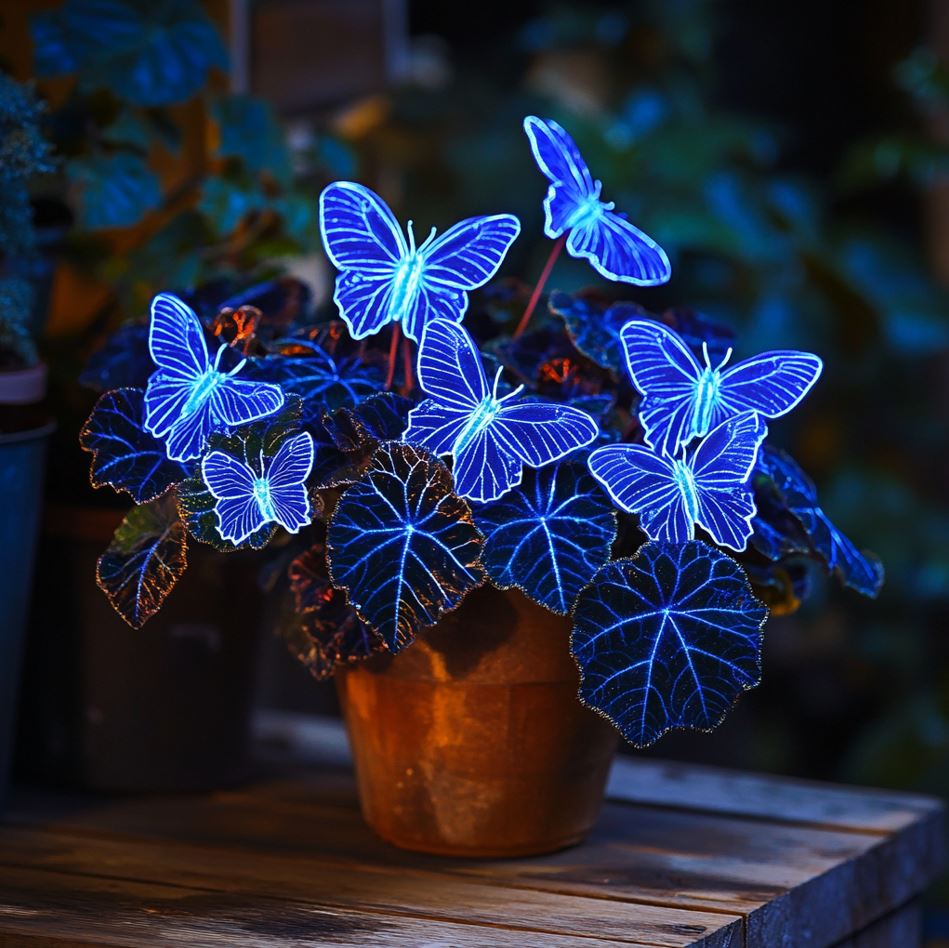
x: 237, y: 367
x: 428, y: 239
x: 411, y: 237
x: 497, y: 380
x: 728, y: 355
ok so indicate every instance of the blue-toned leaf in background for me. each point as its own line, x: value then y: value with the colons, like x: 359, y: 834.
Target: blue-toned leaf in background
x: 324, y: 630
x: 667, y: 639
x: 595, y: 326
x: 403, y: 544
x: 796, y: 491
x: 249, y: 131
x: 549, y: 535
x: 381, y: 417
x: 122, y: 362
x: 124, y: 455
x: 148, y: 54
x: 323, y: 383
x: 113, y: 190
x: 146, y: 557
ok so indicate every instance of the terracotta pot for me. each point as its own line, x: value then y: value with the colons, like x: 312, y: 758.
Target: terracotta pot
x: 471, y: 742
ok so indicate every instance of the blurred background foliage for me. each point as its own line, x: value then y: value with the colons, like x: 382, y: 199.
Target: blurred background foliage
x: 792, y: 159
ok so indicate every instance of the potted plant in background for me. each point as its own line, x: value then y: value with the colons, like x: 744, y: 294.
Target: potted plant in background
x: 171, y: 181
x: 24, y: 420
x: 468, y: 536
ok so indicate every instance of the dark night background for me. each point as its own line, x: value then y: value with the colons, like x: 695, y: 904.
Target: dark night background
x: 792, y: 157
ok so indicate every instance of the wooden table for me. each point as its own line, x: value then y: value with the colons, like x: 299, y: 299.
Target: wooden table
x: 682, y: 855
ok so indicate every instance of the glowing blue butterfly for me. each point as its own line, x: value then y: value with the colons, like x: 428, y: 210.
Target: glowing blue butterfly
x: 383, y: 279
x: 683, y: 399
x: 249, y: 499
x: 187, y: 396
x: 490, y: 438
x: 709, y: 488
x: 615, y: 247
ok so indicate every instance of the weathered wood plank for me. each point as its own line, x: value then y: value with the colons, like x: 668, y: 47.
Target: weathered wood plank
x: 901, y: 929
x: 783, y: 799
x: 315, y: 881
x: 776, y: 875
x: 55, y: 910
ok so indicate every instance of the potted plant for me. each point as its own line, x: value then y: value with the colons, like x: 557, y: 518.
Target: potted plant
x: 24, y: 423
x: 475, y: 536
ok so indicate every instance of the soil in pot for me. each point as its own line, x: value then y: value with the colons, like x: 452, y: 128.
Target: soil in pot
x: 471, y: 741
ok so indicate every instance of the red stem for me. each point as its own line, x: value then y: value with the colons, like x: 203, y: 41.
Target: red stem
x: 539, y: 288
x: 409, y: 381
x: 393, y: 347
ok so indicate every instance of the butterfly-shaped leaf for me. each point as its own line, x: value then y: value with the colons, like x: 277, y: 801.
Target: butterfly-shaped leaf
x: 324, y: 630
x: 798, y: 495
x: 708, y: 487
x: 247, y: 446
x: 188, y: 396
x: 549, y: 535
x: 491, y: 437
x: 322, y: 382
x: 667, y: 639
x: 125, y: 456
x: 146, y: 557
x: 384, y: 278
x: 615, y: 248
x: 683, y: 399
x: 123, y: 361
x: 403, y: 545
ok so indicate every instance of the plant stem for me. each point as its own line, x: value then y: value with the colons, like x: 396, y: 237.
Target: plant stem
x: 539, y: 288
x: 408, y: 372
x: 393, y: 348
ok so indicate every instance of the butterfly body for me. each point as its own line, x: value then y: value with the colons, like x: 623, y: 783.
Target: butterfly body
x: 188, y: 396
x: 683, y: 399
x: 595, y: 231
x: 489, y: 438
x: 271, y: 490
x: 707, y: 487
x: 385, y: 278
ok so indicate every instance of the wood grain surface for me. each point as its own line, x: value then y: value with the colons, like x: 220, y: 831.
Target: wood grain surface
x: 681, y: 856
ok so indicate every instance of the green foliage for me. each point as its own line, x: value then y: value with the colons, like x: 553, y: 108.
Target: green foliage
x: 113, y: 190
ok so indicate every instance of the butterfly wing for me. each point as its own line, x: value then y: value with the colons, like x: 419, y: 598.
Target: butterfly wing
x: 178, y: 348
x: 231, y: 483
x: 721, y: 467
x: 449, y: 367
x: 666, y: 374
x: 176, y: 340
x: 365, y: 242
x: 236, y: 402
x: 541, y: 432
x: 771, y: 384
x: 486, y: 468
x: 287, y: 474
x: 558, y: 157
x: 465, y: 257
x: 619, y: 251
x: 643, y: 482
x: 434, y: 427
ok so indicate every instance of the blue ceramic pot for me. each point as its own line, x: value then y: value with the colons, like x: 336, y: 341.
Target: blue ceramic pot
x: 22, y: 465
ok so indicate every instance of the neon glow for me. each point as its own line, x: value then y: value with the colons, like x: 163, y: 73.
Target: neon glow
x: 384, y: 278
x: 598, y: 233
x: 489, y: 438
x: 709, y: 488
x: 684, y: 399
x: 188, y: 396
x: 248, y: 499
